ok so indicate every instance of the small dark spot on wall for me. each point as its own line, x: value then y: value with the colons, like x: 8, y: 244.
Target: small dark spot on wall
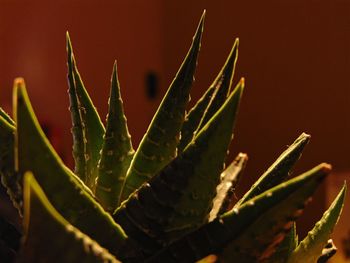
x: 152, y: 85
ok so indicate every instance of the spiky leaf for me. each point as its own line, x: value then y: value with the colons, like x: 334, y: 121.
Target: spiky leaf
x: 261, y: 239
x: 311, y: 247
x: 117, y: 150
x: 211, y: 100
x: 208, y: 153
x: 212, y: 237
x: 279, y: 170
x: 194, y: 117
x: 222, y: 83
x: 88, y: 129
x: 7, y: 117
x: 51, y: 238
x: 179, y: 198
x: 64, y: 190
x: 158, y: 146
x: 225, y: 190
x: 77, y: 125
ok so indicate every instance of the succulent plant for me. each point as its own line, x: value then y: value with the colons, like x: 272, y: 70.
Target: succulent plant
x: 170, y: 200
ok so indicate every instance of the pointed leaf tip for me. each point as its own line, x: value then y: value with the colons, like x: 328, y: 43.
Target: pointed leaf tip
x: 165, y: 126
x: 200, y: 27
x: 203, y: 15
x: 242, y: 82
x: 19, y: 81
x: 279, y: 170
x: 303, y: 139
x: 68, y: 43
x: 19, y: 91
x: 222, y: 85
x: 304, y: 134
x: 19, y: 87
x: 326, y: 167
x: 240, y: 88
x: 321, y: 171
x: 314, y: 243
x: 115, y: 71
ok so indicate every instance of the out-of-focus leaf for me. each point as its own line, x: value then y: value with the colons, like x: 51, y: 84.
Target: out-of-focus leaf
x: 51, y: 238
x: 66, y: 191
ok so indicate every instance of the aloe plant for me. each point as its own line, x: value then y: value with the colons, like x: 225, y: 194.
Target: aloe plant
x: 169, y: 200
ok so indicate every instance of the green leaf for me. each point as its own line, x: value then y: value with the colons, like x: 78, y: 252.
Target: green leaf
x: 208, y: 153
x: 117, y: 150
x: 88, y: 129
x: 180, y: 197
x: 77, y: 125
x: 158, y: 146
x: 261, y: 238
x: 222, y: 84
x: 311, y: 247
x: 290, y: 197
x: 287, y: 246
x: 9, y: 178
x: 194, y: 117
x: 51, y: 238
x: 66, y: 192
x: 7, y: 117
x: 226, y: 189
x: 279, y: 170
x: 211, y: 100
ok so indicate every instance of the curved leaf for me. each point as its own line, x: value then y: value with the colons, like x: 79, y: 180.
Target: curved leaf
x: 279, y: 170
x: 212, y: 237
x: 117, y: 150
x: 194, y: 117
x: 261, y: 239
x: 180, y: 197
x: 158, y: 146
x: 51, y: 238
x: 88, y: 129
x: 310, y: 249
x: 65, y: 191
x: 211, y: 100
x: 222, y: 84
x: 7, y: 117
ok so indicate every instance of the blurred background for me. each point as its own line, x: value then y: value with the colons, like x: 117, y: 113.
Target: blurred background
x: 295, y: 56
